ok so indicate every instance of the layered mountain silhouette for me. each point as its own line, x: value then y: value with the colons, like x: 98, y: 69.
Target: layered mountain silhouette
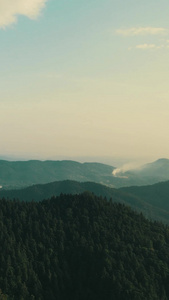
x: 152, y: 201
x: 25, y: 173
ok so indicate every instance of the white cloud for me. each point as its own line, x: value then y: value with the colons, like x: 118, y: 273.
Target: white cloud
x: 11, y: 9
x: 146, y: 46
x: 134, y: 31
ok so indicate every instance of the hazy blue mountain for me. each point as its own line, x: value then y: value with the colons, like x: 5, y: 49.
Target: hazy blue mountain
x: 24, y: 173
x: 148, y: 174
x: 45, y: 191
x: 16, y: 174
x: 158, y: 170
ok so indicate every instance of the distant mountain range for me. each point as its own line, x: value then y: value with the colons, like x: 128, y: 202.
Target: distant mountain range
x: 152, y: 201
x: 150, y: 173
x: 17, y: 174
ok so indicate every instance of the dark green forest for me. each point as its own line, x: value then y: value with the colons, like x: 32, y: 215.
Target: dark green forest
x: 147, y: 205
x: 81, y: 247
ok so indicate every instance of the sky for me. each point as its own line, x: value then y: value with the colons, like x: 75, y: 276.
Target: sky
x: 84, y: 79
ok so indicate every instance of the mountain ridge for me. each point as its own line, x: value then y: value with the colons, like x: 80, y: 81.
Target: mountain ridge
x: 19, y: 174
x: 40, y: 192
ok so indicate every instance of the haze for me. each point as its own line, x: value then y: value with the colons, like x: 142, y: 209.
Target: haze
x: 84, y: 78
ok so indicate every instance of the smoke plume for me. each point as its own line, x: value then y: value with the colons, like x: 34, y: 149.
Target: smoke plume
x: 120, y: 172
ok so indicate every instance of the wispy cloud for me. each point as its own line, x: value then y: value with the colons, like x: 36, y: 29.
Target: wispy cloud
x: 146, y: 46
x: 11, y: 9
x: 135, y: 31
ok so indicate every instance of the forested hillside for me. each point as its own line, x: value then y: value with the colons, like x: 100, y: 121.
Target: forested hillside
x: 40, y: 192
x: 81, y: 247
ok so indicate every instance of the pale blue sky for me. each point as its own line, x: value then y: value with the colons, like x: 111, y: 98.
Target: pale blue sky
x: 84, y: 78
